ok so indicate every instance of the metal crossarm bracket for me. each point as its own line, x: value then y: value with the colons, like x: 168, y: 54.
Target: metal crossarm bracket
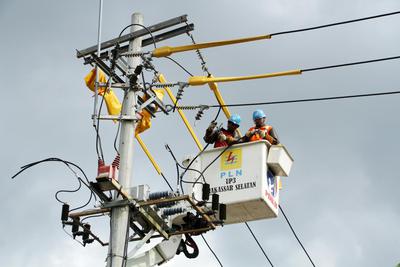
x: 149, y: 41
x: 153, y: 99
x: 103, y: 66
x: 118, y: 118
x: 133, y: 35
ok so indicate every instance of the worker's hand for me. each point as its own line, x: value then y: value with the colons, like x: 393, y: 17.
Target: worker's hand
x: 250, y: 133
x: 274, y: 141
x: 221, y: 137
x: 212, y: 125
x: 230, y: 140
x: 260, y: 133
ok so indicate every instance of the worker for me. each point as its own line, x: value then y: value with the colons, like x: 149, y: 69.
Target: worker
x: 221, y: 137
x: 261, y: 131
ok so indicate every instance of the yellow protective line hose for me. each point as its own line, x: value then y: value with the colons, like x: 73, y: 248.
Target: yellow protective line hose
x: 168, y: 50
x: 214, y: 87
x: 201, y: 80
x: 147, y: 152
x: 161, y: 79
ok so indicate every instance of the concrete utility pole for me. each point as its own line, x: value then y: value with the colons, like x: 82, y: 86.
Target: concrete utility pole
x: 120, y: 215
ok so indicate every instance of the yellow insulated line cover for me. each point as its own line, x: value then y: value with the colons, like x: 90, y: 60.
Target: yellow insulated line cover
x: 201, y: 80
x: 168, y: 50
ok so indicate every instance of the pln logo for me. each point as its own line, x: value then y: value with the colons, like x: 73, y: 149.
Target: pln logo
x: 231, y: 159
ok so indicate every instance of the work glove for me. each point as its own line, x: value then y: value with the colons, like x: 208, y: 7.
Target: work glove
x: 221, y: 137
x: 250, y: 133
x: 261, y: 133
x: 212, y: 125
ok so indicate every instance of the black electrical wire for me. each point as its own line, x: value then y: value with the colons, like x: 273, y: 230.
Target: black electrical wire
x: 299, y: 100
x: 182, y: 67
x: 166, y: 180
x: 99, y: 148
x: 67, y: 163
x: 189, y: 169
x: 191, y: 162
x: 212, y: 251
x: 259, y: 245
x: 72, y: 237
x: 336, y: 23
x: 178, y: 165
x: 140, y: 25
x: 214, y: 160
x: 295, y: 235
x: 119, y: 123
x: 351, y: 64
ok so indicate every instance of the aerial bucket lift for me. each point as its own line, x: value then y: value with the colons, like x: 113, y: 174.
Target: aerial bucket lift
x: 246, y: 178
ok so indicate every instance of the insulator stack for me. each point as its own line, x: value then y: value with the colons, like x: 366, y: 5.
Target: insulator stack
x: 134, y: 54
x: 200, y: 112
x: 166, y: 204
x: 158, y: 195
x: 179, y: 93
x: 162, y: 85
x: 115, y: 163
x: 173, y: 211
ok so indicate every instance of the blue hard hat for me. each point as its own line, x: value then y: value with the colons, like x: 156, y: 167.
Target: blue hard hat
x: 258, y: 114
x: 235, y: 119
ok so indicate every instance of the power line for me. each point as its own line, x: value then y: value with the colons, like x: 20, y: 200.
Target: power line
x: 182, y: 67
x: 335, y: 24
x: 67, y: 163
x: 212, y: 251
x: 351, y: 64
x: 259, y: 245
x: 292, y: 101
x: 295, y: 235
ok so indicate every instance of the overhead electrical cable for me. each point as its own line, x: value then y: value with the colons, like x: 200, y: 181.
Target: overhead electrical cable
x: 168, y: 50
x: 202, y: 80
x: 295, y: 235
x: 259, y: 245
x: 201, y: 151
x: 293, y: 100
x: 180, y: 65
x: 351, y: 64
x: 212, y: 251
x: 336, y: 23
x: 67, y: 163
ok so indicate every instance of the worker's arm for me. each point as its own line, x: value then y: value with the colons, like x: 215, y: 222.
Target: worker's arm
x: 211, y: 134
x: 274, y: 135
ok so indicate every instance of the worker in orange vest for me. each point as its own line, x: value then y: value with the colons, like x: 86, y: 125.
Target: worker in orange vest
x: 261, y: 131
x: 223, y: 137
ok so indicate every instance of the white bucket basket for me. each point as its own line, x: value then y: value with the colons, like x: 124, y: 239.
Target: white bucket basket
x: 242, y: 179
x: 279, y: 160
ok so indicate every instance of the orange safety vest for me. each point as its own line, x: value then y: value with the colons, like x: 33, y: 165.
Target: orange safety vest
x: 267, y: 129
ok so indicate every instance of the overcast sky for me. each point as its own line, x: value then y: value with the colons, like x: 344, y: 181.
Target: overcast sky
x: 342, y: 195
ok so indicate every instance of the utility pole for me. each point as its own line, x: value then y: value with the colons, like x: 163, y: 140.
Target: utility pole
x: 120, y: 215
